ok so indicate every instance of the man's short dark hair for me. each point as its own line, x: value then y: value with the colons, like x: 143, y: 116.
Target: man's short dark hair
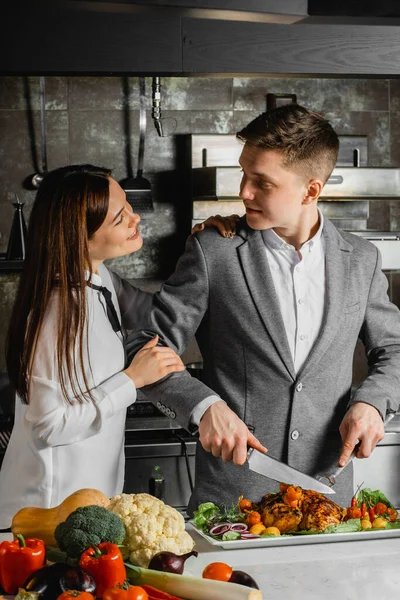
x: 304, y: 138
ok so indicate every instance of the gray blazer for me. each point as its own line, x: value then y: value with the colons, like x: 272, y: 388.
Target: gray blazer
x: 223, y: 291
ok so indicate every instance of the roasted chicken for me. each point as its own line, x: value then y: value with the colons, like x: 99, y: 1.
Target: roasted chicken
x: 294, y: 509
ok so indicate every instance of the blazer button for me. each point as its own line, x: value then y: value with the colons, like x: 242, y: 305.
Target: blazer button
x: 172, y: 415
x: 299, y: 387
x: 168, y: 412
x: 295, y: 435
x: 159, y: 405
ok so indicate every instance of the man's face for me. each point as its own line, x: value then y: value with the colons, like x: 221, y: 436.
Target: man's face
x: 272, y: 193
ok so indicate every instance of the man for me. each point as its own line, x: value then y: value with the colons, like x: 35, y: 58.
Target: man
x: 277, y: 313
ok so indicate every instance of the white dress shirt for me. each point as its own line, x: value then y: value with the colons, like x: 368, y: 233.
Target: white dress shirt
x: 299, y: 280
x: 57, y: 448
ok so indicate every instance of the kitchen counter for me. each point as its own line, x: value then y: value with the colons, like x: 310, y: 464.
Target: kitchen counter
x: 367, y: 570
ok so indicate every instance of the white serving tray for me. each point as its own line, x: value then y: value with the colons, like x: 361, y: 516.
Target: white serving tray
x: 300, y: 540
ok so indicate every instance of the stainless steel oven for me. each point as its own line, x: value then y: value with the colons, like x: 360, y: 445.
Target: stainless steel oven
x: 156, y: 448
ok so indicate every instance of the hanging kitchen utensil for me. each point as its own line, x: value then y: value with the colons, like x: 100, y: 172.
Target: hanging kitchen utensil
x: 16, y: 242
x: 38, y: 177
x: 138, y: 189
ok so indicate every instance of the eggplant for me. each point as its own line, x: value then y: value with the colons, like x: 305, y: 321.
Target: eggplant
x: 243, y: 578
x: 46, y: 581
x: 77, y: 578
x: 50, y: 581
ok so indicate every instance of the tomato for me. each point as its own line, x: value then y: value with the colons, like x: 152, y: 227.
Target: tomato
x: 125, y: 592
x: 244, y: 505
x: 253, y: 518
x: 71, y: 594
x: 353, y: 513
x: 218, y: 570
x: 380, y: 508
x: 392, y: 513
x: 283, y: 487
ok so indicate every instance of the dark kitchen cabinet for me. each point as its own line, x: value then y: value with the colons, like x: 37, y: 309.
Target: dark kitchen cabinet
x: 49, y: 41
x: 238, y: 47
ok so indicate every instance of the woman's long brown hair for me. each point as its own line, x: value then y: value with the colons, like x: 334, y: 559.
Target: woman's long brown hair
x: 70, y: 205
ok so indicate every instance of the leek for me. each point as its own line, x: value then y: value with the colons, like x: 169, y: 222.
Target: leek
x: 190, y: 588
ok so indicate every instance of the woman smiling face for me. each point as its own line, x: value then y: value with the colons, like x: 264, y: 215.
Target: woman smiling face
x: 118, y: 235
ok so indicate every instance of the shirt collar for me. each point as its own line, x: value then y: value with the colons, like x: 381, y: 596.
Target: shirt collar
x: 94, y: 278
x: 275, y: 242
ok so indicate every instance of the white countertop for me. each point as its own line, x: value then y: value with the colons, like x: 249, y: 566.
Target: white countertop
x: 367, y: 570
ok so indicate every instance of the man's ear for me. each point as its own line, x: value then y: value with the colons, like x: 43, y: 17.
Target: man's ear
x: 314, y: 189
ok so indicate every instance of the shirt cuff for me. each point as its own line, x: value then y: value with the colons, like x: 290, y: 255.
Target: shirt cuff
x: 201, y: 408
x: 120, y: 390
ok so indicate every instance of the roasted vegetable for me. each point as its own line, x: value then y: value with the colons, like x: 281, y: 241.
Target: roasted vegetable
x: 88, y: 526
x: 18, y: 560
x: 40, y: 523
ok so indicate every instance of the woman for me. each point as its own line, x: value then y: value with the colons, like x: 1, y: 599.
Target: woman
x: 65, y: 354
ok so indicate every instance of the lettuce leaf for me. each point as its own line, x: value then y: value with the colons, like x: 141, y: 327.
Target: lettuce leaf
x: 203, y: 514
x: 346, y: 527
x: 372, y: 497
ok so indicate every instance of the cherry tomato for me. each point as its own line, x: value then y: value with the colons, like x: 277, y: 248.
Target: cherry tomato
x: 353, y: 513
x: 253, y: 517
x: 244, y: 505
x: 71, y: 594
x: 380, y: 508
x: 283, y: 487
x: 125, y: 592
x: 292, y: 496
x: 218, y: 570
x: 393, y: 514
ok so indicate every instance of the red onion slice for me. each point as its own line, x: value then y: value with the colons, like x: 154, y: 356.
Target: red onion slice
x: 219, y: 529
x: 239, y: 527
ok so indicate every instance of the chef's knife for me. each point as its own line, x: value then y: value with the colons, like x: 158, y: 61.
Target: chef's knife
x: 331, y: 479
x: 278, y: 471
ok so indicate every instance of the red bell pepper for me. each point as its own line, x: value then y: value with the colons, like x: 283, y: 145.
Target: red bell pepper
x: 156, y: 594
x: 18, y: 560
x: 105, y: 563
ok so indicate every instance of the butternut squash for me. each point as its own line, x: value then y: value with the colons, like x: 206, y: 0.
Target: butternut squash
x: 35, y: 522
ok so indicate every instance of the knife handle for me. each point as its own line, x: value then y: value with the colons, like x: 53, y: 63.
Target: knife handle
x: 333, y: 476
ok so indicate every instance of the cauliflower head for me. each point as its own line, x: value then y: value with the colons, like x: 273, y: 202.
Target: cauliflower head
x: 151, y: 526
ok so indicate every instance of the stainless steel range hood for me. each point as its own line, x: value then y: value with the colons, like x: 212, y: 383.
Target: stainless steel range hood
x: 221, y: 183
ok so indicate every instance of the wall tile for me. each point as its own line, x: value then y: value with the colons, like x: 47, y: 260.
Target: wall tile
x: 321, y: 95
x: 14, y: 92
x: 394, y: 207
x: 106, y: 93
x: 17, y: 163
x: 196, y: 93
x: 8, y: 290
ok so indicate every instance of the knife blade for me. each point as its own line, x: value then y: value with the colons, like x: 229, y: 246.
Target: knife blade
x: 265, y: 465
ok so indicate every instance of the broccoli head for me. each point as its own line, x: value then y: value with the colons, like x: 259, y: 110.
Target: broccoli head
x: 88, y: 526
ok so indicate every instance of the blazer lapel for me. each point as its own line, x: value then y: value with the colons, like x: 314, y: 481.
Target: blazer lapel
x: 253, y: 259
x: 337, y: 266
